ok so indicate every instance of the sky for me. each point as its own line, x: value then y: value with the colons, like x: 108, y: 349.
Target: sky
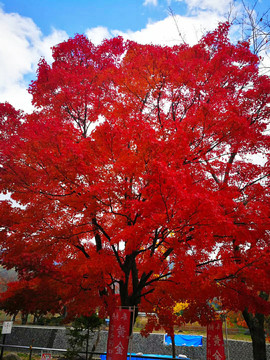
x: 28, y: 30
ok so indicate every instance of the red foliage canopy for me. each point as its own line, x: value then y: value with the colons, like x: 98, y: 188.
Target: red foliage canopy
x: 136, y: 175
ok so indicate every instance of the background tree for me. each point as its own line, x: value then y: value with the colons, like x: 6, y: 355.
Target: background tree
x: 255, y: 28
x: 37, y: 297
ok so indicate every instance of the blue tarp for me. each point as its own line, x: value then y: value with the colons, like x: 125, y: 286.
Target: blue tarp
x: 145, y: 356
x: 184, y: 340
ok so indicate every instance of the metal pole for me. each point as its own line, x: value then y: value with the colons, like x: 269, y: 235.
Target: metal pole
x: 2, y: 349
x: 131, y: 336
x: 226, y: 332
x: 30, y: 352
x: 87, y: 342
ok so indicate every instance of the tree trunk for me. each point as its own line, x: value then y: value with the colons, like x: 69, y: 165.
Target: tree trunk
x: 24, y: 319
x: 255, y: 324
x: 173, y: 347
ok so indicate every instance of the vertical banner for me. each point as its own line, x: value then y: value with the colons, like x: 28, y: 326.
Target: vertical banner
x: 118, y: 337
x: 215, y: 343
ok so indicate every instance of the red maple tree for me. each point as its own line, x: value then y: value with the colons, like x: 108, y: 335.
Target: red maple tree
x: 136, y: 174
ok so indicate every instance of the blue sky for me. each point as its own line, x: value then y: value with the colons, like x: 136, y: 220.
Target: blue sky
x: 76, y: 16
x: 29, y: 28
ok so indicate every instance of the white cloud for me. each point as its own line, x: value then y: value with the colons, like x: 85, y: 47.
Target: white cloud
x: 97, y: 34
x: 22, y: 44
x: 21, y: 47
x: 17, y: 95
x: 165, y: 32
x: 47, y: 42
x: 150, y: 2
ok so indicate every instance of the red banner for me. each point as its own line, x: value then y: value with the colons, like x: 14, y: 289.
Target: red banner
x: 215, y: 343
x: 118, y: 337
